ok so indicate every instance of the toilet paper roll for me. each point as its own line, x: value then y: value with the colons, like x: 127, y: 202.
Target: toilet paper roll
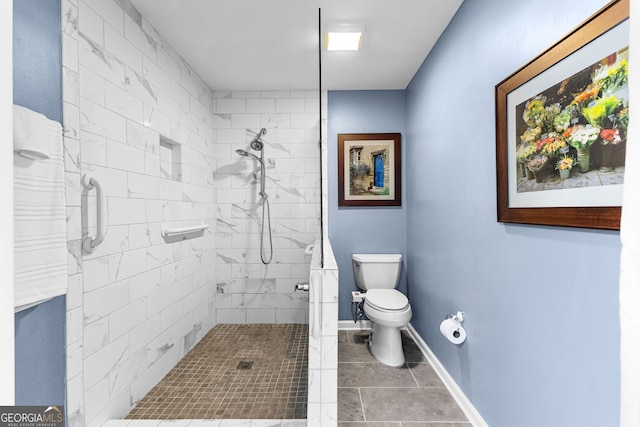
x: 453, y: 331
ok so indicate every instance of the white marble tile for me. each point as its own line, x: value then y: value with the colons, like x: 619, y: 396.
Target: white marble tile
x: 95, y: 273
x: 158, y: 255
x: 230, y: 106
x: 74, y: 359
x: 115, y: 180
x: 261, y: 315
x: 98, y: 365
x: 329, y: 320
x: 329, y: 414
x: 290, y: 106
x: 99, y: 120
x: 261, y: 105
x: 74, y: 325
x: 111, y: 12
x: 71, y: 155
x: 95, y: 336
x: 127, y: 264
x: 314, y: 384
x: 73, y: 189
x: 174, y: 423
x: 159, y: 300
x: 145, y: 382
x: 145, y: 332
x: 74, y: 291
x: 157, y: 120
x: 124, y: 157
x: 90, y: 24
x: 71, y: 115
x: 92, y: 86
x: 74, y: 257
x: 252, y: 121
x: 69, y: 12
x: 115, y: 241
x: 95, y: 399
x: 205, y: 423
x: 95, y: 58
x: 121, y: 377
x: 118, y: 423
x: 291, y: 315
x: 105, y: 300
x: 126, y: 211
x: 234, y: 315
x: 94, y: 149
x: 127, y: 318
x: 304, y: 121
x: 235, y: 423
x: 140, y: 38
x: 137, y: 85
x: 123, y: 103
x: 74, y: 223
x: 121, y: 48
x: 142, y: 137
x: 117, y: 405
x: 143, y: 235
x: 144, y: 284
x: 314, y: 415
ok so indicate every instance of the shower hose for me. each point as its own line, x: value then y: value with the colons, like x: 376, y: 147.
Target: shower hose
x: 265, y: 206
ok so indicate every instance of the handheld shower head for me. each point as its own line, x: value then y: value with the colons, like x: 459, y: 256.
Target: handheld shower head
x: 247, y: 154
x: 256, y: 143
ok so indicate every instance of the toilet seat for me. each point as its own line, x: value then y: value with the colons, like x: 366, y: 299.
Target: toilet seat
x: 386, y: 300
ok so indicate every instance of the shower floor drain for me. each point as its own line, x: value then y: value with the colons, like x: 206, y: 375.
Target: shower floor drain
x: 244, y: 365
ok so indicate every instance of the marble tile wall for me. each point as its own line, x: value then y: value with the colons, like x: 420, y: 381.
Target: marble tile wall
x: 137, y: 303
x: 247, y: 290
x: 322, y: 408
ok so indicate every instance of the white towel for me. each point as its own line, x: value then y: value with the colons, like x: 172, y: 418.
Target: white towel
x: 32, y: 134
x: 40, y: 249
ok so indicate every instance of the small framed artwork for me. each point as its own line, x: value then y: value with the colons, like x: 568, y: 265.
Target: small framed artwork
x: 561, y: 128
x: 369, y: 169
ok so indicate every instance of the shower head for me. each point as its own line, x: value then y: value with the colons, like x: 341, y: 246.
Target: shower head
x: 256, y: 143
x: 247, y: 154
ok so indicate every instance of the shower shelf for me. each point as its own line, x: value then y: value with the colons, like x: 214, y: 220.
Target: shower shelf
x: 174, y: 234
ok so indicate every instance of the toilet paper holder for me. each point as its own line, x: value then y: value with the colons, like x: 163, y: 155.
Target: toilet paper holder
x: 458, y: 317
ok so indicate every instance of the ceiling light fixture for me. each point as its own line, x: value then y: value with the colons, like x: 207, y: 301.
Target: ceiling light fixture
x: 343, y: 37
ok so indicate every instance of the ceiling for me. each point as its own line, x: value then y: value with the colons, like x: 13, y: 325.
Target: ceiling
x: 273, y: 44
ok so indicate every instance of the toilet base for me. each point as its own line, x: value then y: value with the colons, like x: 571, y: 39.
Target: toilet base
x: 385, y: 344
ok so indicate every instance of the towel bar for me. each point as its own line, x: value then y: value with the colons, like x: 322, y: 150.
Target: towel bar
x: 91, y: 243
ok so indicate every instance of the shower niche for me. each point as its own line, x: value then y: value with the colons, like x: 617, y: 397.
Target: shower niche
x: 170, y: 159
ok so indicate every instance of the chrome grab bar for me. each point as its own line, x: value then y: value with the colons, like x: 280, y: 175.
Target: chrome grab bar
x: 91, y: 243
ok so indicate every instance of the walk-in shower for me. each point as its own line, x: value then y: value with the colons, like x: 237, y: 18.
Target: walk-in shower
x: 258, y: 145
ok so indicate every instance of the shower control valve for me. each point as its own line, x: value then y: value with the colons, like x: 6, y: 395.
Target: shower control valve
x: 301, y: 287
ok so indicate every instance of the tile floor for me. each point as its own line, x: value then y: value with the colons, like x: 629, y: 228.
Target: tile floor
x: 235, y: 372
x: 375, y: 395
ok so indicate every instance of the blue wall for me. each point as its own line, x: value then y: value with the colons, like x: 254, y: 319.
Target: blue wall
x: 363, y: 230
x: 37, y: 74
x: 541, y: 303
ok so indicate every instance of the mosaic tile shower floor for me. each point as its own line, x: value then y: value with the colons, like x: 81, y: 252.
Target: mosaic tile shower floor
x: 235, y: 372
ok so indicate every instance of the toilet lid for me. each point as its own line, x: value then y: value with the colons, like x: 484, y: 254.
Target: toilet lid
x: 386, y: 299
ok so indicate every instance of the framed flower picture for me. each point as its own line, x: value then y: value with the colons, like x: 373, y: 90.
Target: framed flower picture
x: 369, y: 172
x: 561, y: 128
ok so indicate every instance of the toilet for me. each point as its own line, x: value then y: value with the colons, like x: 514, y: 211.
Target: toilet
x: 387, y: 308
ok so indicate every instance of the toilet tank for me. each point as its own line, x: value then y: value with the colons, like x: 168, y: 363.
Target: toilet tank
x: 376, y: 271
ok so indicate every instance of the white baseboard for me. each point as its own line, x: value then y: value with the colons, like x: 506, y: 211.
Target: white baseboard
x: 458, y: 395
x: 350, y: 325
